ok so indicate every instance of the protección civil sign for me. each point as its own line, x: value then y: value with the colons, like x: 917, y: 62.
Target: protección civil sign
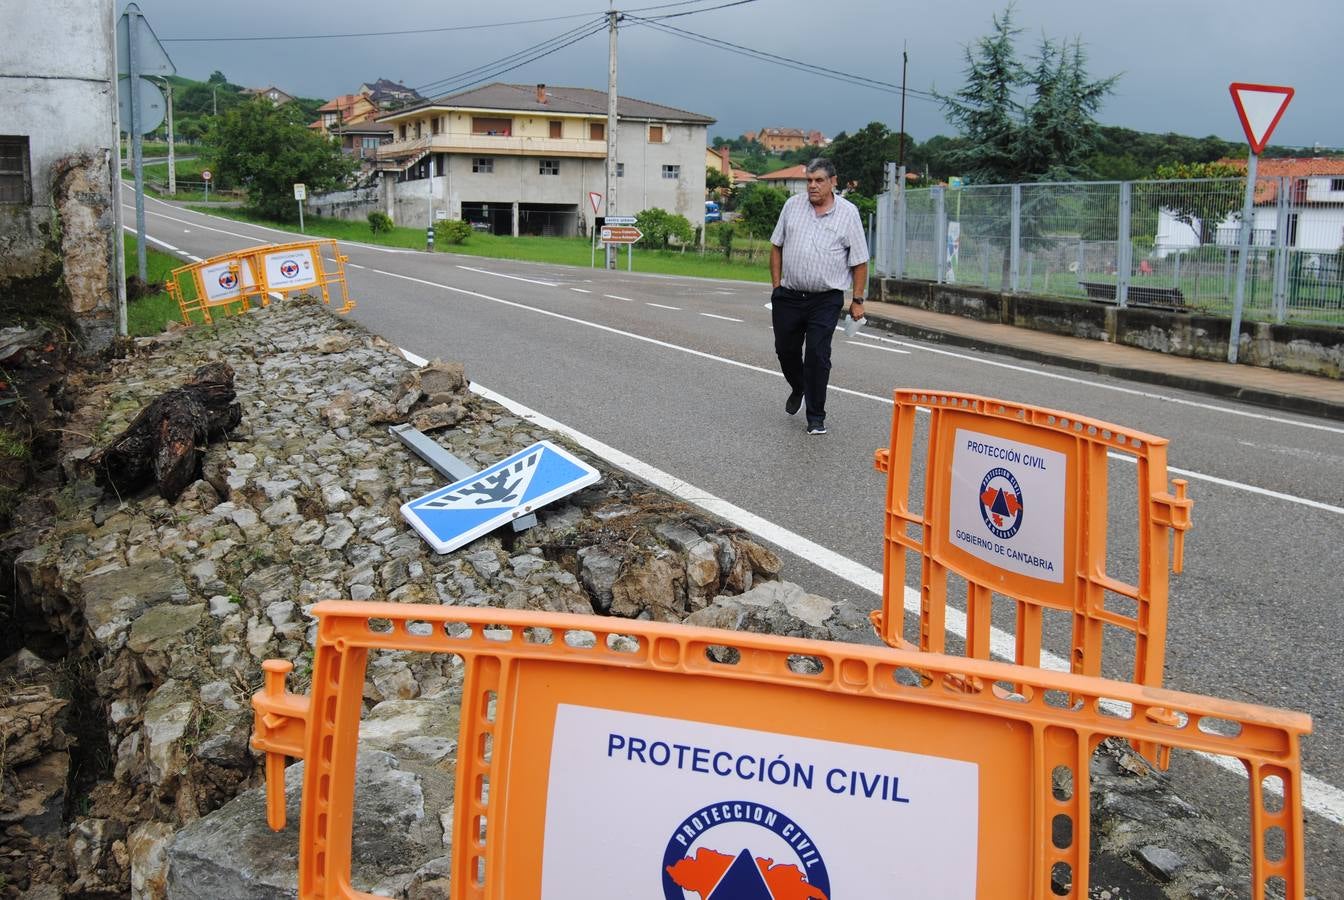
x: 1007, y: 504
x: 456, y: 515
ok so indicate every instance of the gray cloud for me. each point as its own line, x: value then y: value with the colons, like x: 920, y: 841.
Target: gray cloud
x: 1176, y: 57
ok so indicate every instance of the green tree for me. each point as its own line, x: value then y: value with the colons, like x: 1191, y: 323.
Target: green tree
x: 860, y: 157
x: 1205, y: 206
x: 715, y: 180
x: 760, y: 205
x: 660, y: 226
x: 266, y: 149
x: 217, y: 77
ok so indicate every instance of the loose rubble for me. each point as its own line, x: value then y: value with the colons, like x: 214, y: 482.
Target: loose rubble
x: 166, y: 611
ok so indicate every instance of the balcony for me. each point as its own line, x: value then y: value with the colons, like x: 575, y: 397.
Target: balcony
x: 493, y: 145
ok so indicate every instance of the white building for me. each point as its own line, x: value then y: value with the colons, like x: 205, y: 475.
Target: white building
x: 524, y: 159
x: 59, y: 163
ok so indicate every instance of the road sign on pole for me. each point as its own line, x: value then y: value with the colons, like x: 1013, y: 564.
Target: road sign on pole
x: 596, y: 199
x: 205, y: 176
x: 148, y: 97
x: 1260, y: 107
x: 150, y: 57
x: 139, y: 53
x: 620, y: 234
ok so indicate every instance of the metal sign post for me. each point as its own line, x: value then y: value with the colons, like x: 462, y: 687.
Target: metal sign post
x: 300, y: 194
x: 205, y: 176
x: 1260, y: 106
x: 139, y: 53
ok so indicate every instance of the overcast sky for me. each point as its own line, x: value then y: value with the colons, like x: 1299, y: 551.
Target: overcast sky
x: 1175, y: 58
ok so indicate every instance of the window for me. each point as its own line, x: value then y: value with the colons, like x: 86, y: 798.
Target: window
x: 403, y: 132
x: 557, y: 128
x: 671, y: 171
x: 597, y: 131
x: 482, y: 165
x: 620, y: 170
x: 483, y: 125
x: 550, y: 167
x: 15, y: 186
x: 655, y: 134
x: 1337, y: 184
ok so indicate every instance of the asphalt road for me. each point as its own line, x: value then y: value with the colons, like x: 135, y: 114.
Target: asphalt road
x: 680, y: 375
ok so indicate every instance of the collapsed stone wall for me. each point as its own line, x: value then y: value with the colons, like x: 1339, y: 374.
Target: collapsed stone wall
x: 167, y: 610
x: 58, y: 262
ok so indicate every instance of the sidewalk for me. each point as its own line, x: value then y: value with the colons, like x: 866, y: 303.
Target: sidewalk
x: 1306, y: 394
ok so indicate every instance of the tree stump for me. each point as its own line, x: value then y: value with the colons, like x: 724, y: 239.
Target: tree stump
x: 164, y: 442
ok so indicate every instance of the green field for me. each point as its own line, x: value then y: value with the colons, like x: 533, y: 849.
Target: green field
x: 744, y: 266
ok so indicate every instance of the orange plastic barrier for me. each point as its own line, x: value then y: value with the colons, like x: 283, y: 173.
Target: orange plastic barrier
x: 1015, y: 502
x: 607, y: 758
x: 232, y: 282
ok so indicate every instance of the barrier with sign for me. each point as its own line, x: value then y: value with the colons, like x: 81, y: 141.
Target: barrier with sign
x: 232, y: 282
x: 1015, y: 503
x: 773, y: 766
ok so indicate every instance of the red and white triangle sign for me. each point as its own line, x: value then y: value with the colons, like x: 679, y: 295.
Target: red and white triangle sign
x: 1260, y: 107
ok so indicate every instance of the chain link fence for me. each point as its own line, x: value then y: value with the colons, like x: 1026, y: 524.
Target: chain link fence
x: 1164, y: 244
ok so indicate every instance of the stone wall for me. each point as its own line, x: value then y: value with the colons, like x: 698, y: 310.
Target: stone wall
x: 1312, y: 350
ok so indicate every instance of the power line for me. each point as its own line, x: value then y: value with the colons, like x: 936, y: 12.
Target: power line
x: 693, y: 12
x: 437, y: 30
x: 797, y: 65
x: 487, y: 71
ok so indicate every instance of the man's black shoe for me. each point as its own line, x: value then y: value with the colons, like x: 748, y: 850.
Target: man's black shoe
x: 816, y: 428
x: 794, y: 403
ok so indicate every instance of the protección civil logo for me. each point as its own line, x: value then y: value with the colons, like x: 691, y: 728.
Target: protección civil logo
x: 743, y: 850
x: 1001, y: 502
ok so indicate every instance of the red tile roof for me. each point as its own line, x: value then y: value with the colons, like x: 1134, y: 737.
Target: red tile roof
x: 1268, y: 169
x: 792, y: 172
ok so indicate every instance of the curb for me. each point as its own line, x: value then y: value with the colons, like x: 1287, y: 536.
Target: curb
x: 1257, y: 396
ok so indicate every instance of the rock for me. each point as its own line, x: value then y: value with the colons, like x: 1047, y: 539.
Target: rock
x: 598, y: 570
x: 148, y: 846
x: 34, y: 795
x: 775, y: 607
x: 29, y: 725
x: 282, y: 512
x: 231, y: 853
x: 654, y: 588
x: 1161, y: 862
x: 439, y: 378
x: 115, y: 596
x: 163, y: 628
x: 333, y: 343
x: 168, y: 714
x: 442, y: 415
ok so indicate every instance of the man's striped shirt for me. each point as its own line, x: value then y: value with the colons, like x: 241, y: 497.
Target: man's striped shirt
x: 819, y: 250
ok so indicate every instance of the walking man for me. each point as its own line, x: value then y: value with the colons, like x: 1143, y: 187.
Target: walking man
x: 817, y: 251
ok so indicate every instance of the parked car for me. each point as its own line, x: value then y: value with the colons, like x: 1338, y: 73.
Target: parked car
x: 712, y: 213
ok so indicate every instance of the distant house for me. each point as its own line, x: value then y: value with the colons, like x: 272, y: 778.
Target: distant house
x: 347, y: 109
x: 1312, y: 189
x: 718, y: 161
x: 271, y: 93
x: 362, y: 139
x: 793, y: 179
x: 817, y: 139
x: 524, y: 159
x: 387, y: 94
x: 742, y: 176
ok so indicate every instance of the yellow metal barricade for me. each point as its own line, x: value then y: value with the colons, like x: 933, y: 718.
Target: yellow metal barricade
x: 609, y: 758
x: 1015, y: 503
x: 234, y: 282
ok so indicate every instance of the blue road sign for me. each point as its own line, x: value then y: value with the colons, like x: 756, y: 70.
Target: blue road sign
x: 456, y: 515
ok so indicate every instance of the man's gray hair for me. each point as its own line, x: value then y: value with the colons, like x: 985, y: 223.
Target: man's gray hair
x: 821, y: 164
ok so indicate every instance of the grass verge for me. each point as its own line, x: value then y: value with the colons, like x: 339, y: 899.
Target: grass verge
x: 149, y: 314
x: 554, y: 250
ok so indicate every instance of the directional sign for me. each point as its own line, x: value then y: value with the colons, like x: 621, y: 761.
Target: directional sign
x: 620, y: 234
x: 151, y: 102
x: 456, y: 515
x: 620, y: 220
x: 150, y: 57
x: 1260, y: 107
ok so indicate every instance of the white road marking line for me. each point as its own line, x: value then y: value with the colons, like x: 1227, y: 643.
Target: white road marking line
x: 876, y: 347
x: 355, y: 265
x: 510, y: 277
x: 1111, y: 387
x: 1318, y: 796
x: 663, y: 306
x: 775, y: 373
x: 154, y: 240
x: 614, y: 297
x: 194, y: 258
x: 724, y: 318
x: 246, y: 237
x: 580, y: 291
x: 1250, y: 488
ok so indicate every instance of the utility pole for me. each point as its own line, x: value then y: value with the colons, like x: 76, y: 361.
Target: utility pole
x: 172, y: 156
x: 612, y: 17
x: 137, y: 155
x: 905, y: 62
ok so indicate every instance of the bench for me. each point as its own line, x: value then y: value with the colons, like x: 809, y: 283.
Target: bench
x: 1139, y: 295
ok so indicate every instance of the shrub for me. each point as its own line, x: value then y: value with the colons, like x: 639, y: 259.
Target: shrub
x: 380, y: 222
x: 452, y: 231
x: 659, y: 226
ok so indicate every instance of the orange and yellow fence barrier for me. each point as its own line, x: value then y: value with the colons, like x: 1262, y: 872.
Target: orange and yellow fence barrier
x: 605, y: 758
x: 233, y: 282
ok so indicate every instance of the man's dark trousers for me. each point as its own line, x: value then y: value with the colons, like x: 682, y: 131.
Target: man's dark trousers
x: 802, y: 319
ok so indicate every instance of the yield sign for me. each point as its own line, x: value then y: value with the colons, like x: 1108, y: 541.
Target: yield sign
x: 596, y: 199
x: 1260, y: 107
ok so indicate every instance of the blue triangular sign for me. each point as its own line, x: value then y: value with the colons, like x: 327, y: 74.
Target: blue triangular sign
x: 456, y: 515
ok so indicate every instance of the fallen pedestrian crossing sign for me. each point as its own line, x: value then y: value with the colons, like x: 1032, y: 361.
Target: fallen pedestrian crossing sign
x: 456, y: 515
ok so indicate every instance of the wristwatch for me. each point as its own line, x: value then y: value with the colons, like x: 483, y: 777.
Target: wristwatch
x: 858, y: 299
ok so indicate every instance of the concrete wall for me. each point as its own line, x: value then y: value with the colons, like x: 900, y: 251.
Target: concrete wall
x: 62, y: 248
x: 1312, y: 350
x: 644, y: 187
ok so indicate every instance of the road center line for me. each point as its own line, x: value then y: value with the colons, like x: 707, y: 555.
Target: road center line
x: 877, y: 347
x: 580, y: 291
x: 724, y: 318
x: 663, y: 306
x: 1318, y: 796
x: 614, y: 297
x: 511, y: 277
